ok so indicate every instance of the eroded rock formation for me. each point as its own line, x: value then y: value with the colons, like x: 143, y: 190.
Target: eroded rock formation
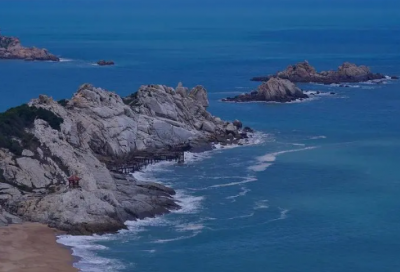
x: 99, y: 126
x: 304, y: 72
x: 274, y: 90
x: 11, y: 48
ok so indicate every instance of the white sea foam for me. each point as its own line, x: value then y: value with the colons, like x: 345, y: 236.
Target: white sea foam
x: 85, y: 247
x: 142, y: 225
x: 242, y: 216
x: 163, y: 241
x: 296, y: 144
x: 266, y: 161
x: 262, y: 204
x: 246, y: 180
x: 191, y: 157
x: 282, y: 216
x: 243, y: 192
x: 318, y: 137
x: 65, y: 60
x: 149, y: 250
x: 261, y: 167
x: 190, y: 204
x: 189, y: 227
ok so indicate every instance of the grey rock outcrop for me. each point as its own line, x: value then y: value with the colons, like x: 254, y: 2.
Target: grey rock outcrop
x: 274, y: 90
x: 11, y: 48
x: 304, y: 72
x: 98, y: 127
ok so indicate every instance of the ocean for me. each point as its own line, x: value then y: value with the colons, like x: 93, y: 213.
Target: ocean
x: 317, y: 190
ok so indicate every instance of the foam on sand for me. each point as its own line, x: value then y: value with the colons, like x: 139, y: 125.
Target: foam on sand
x: 85, y: 247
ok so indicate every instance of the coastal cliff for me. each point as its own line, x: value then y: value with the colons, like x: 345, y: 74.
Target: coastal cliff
x: 48, y: 141
x: 274, y: 90
x: 304, y: 72
x: 11, y: 48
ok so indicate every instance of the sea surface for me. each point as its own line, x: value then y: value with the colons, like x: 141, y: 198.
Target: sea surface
x: 317, y: 191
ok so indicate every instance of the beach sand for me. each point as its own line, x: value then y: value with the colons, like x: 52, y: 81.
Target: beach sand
x: 32, y: 247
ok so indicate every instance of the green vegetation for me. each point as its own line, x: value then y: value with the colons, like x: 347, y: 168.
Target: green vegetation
x: 131, y: 100
x: 63, y: 102
x: 5, y: 42
x: 15, y: 121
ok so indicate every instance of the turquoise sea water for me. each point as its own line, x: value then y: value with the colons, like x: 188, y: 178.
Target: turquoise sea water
x: 319, y: 189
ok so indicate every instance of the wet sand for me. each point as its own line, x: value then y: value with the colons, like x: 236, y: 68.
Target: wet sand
x: 32, y: 247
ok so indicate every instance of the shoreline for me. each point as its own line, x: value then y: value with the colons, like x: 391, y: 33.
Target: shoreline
x: 74, y: 242
x: 33, y: 247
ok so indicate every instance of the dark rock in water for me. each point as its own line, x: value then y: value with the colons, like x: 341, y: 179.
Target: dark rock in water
x: 11, y: 48
x: 304, y: 72
x: 318, y: 92
x: 237, y: 124
x: 394, y: 77
x: 275, y: 89
x: 248, y: 129
x: 105, y: 62
x: 332, y: 93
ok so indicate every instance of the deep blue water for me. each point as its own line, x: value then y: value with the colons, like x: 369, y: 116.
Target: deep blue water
x: 329, y: 204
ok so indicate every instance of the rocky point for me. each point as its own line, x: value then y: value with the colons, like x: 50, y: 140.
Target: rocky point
x: 11, y: 48
x: 80, y: 136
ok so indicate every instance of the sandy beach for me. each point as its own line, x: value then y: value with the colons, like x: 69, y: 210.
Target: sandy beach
x: 32, y: 247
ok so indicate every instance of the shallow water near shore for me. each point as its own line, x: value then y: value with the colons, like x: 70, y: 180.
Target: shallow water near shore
x: 318, y: 192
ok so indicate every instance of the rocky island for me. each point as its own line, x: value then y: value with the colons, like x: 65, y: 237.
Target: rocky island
x: 274, y: 90
x: 11, y: 48
x: 105, y: 62
x: 304, y: 72
x: 44, y: 142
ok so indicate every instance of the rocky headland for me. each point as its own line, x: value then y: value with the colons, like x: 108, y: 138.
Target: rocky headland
x: 304, y: 72
x: 274, y: 90
x: 11, y: 48
x: 44, y: 142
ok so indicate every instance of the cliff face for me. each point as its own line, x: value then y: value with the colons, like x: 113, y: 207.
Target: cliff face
x: 11, y: 48
x: 304, y: 72
x: 274, y: 90
x: 99, y: 126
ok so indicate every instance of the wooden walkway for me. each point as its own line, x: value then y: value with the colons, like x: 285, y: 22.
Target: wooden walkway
x: 139, y: 160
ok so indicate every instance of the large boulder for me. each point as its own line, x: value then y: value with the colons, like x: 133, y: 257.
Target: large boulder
x: 274, y: 90
x: 199, y: 94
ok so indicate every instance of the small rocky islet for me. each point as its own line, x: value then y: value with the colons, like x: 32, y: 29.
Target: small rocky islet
x: 280, y: 87
x: 11, y: 48
x: 105, y: 63
x: 303, y: 72
x: 44, y: 142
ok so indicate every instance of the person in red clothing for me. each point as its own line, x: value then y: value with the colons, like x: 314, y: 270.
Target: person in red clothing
x: 73, y: 181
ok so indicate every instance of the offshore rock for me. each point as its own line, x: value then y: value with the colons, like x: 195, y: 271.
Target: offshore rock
x: 304, y: 72
x: 105, y: 62
x: 274, y: 90
x: 11, y: 48
x: 99, y: 127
